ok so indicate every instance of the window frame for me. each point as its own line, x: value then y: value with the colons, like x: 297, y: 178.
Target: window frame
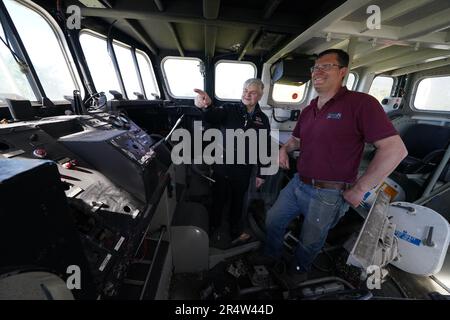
x: 114, y: 61
x: 153, y: 74
x: 231, y: 61
x: 136, y: 66
x: 166, y: 82
x: 110, y: 44
x: 20, y: 49
x: 416, y: 88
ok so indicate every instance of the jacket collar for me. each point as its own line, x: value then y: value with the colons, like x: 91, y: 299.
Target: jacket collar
x: 256, y: 110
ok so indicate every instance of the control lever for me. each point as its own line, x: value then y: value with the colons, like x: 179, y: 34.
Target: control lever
x: 170, y: 133
x: 429, y: 240
x: 139, y: 95
x: 116, y: 95
x: 194, y: 168
x: 76, y: 103
x: 79, y: 102
x: 174, y: 127
x: 197, y: 171
x: 151, y: 153
x: 96, y: 205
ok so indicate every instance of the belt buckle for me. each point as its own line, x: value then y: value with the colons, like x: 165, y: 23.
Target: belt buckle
x: 313, y: 183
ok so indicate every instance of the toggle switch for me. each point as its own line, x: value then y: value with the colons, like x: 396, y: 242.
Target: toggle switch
x: 67, y: 165
x: 70, y: 164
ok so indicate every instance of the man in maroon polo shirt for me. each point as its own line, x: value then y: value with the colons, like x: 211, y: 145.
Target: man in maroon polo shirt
x: 330, y: 134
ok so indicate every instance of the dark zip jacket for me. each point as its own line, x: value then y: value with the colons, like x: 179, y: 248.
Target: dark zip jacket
x: 235, y: 116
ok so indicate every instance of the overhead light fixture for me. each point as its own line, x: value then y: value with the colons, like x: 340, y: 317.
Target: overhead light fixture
x: 93, y: 3
x: 328, y: 36
x: 236, y: 47
x: 417, y: 46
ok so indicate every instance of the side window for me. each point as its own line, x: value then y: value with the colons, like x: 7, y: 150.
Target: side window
x: 288, y: 93
x: 127, y: 69
x: 99, y: 62
x: 229, y: 78
x: 183, y: 75
x: 45, y: 49
x: 350, y: 81
x: 381, y: 87
x: 13, y: 83
x: 148, y: 75
x: 433, y: 94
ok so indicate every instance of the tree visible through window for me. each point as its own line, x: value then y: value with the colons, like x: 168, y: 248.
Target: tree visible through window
x: 45, y: 51
x: 13, y: 82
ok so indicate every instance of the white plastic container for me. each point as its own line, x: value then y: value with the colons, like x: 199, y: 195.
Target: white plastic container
x: 421, y: 251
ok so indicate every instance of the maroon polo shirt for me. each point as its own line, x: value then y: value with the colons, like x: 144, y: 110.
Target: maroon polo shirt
x: 332, y: 138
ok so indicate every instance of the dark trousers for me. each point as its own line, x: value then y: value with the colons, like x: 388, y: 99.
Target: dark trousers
x: 228, y: 200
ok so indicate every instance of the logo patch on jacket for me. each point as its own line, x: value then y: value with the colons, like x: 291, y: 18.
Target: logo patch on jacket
x: 334, y: 116
x: 258, y: 121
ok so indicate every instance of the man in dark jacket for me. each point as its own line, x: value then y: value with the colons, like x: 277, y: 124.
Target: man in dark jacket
x: 232, y: 179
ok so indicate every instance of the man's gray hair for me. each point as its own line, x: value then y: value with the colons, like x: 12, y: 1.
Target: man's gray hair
x: 254, y: 81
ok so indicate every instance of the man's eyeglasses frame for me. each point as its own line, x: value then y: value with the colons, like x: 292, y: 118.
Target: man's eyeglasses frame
x: 325, y: 67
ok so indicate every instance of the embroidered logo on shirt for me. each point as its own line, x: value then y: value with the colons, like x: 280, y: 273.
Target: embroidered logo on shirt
x: 334, y: 116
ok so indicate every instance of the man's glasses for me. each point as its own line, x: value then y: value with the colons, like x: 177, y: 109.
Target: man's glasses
x: 325, y: 67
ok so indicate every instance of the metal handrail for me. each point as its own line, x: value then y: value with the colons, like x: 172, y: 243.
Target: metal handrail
x: 147, y: 277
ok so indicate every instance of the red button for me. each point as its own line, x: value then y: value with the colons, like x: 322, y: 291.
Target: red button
x: 40, y: 153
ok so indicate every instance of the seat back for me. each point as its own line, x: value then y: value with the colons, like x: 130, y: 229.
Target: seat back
x: 422, y: 139
x: 426, y: 145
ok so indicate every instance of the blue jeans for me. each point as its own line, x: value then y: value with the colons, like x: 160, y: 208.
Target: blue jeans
x: 321, y: 209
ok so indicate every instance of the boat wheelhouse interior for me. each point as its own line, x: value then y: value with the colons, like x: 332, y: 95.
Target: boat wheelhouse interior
x: 92, y: 205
